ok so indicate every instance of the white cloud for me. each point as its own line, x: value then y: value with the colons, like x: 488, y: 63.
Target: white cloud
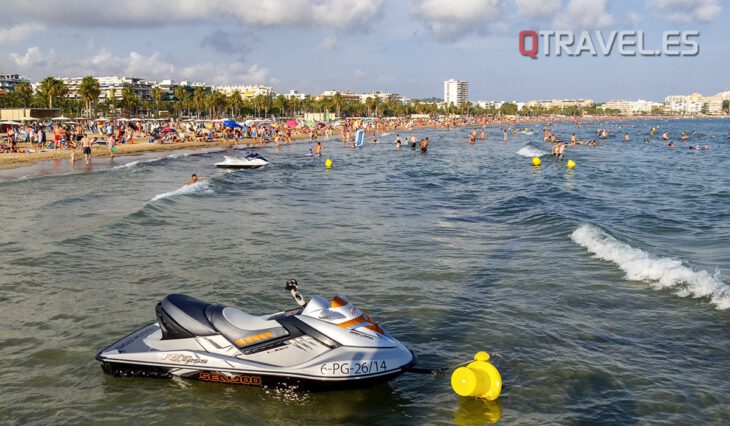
x: 32, y: 58
x: 339, y: 14
x: 537, y: 9
x: 584, y: 14
x: 36, y: 63
x: 450, y: 20
x: 329, y: 42
x: 19, y: 32
x: 687, y: 10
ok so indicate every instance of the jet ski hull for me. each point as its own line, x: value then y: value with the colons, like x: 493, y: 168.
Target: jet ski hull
x: 333, y: 369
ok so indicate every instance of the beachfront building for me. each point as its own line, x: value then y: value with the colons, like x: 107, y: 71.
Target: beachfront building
x: 9, y: 81
x: 248, y: 91
x: 456, y: 92
x: 632, y: 107
x: 295, y: 94
x: 347, y: 96
x: 381, y: 96
x: 111, y: 87
x: 560, y: 103
x: 169, y: 86
x: 696, y: 103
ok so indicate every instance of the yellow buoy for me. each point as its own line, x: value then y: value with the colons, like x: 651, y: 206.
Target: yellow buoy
x: 535, y: 161
x: 479, y: 378
x: 571, y: 164
x: 328, y: 163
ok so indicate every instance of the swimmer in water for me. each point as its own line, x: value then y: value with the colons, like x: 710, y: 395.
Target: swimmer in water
x: 194, y: 178
x: 397, y: 142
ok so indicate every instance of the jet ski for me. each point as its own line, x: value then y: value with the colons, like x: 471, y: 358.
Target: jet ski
x: 320, y: 345
x: 250, y: 161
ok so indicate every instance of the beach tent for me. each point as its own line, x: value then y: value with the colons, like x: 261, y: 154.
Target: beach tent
x: 231, y: 124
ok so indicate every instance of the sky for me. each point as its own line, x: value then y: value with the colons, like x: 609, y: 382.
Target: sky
x: 403, y: 46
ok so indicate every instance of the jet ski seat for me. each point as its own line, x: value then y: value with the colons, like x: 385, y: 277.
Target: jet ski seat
x: 182, y: 316
x: 243, y: 329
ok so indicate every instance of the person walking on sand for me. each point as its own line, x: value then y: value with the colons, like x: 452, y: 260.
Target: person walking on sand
x: 86, y: 146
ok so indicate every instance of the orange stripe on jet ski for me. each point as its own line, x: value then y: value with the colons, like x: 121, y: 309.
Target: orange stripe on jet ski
x: 338, y: 301
x: 250, y: 339
x: 352, y: 322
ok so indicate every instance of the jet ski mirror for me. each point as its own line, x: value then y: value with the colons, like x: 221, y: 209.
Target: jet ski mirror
x: 292, y: 286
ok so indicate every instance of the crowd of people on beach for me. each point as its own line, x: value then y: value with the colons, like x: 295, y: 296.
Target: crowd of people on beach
x: 113, y: 133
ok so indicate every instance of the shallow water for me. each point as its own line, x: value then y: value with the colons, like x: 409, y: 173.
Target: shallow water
x: 601, y: 291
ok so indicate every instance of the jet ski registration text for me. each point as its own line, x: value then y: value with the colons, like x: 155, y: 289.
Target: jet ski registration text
x: 353, y: 368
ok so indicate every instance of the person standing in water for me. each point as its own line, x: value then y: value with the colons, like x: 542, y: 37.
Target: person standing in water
x: 504, y: 138
x: 86, y: 146
x: 397, y: 142
x: 424, y: 145
x: 318, y: 149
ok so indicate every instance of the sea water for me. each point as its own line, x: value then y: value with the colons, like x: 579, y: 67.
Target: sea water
x: 601, y: 292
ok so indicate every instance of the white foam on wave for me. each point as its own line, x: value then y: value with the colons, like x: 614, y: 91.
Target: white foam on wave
x: 200, y: 186
x: 661, y: 272
x: 528, y: 151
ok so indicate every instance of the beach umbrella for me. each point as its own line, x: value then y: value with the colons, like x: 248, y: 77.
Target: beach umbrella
x: 292, y: 123
x: 320, y: 124
x: 61, y: 118
x: 11, y: 123
x: 167, y: 130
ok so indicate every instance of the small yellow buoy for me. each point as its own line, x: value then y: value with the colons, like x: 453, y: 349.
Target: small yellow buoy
x: 571, y: 164
x: 328, y: 163
x: 479, y: 378
x: 536, y: 161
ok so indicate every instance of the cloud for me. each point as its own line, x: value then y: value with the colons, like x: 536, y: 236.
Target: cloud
x: 343, y: 15
x: 38, y: 64
x: 585, y: 15
x: 329, y: 42
x: 451, y: 20
x: 537, y: 9
x: 19, y: 32
x: 230, y: 43
x: 687, y: 10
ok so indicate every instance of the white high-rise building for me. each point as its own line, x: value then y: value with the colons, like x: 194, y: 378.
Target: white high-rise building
x: 456, y: 92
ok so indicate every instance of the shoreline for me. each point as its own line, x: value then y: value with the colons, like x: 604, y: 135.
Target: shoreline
x: 10, y: 161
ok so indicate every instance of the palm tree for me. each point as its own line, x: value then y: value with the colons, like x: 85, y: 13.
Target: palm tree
x: 89, y: 91
x: 51, y: 88
x: 156, y: 95
x: 181, y: 99
x: 198, y: 99
x: 25, y: 91
x: 280, y: 103
x: 129, y: 99
x: 338, y: 100
x: 235, y: 102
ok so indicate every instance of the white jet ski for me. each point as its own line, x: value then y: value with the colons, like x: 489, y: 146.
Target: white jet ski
x: 250, y: 161
x: 320, y: 345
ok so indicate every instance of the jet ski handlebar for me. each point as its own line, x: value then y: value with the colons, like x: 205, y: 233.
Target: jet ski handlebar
x: 292, y: 286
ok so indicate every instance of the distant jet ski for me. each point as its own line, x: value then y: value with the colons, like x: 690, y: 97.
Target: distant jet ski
x: 250, y: 161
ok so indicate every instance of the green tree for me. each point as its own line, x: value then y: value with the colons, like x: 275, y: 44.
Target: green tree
x: 280, y: 103
x: 726, y: 106
x: 156, y: 94
x: 52, y: 88
x: 129, y: 99
x: 89, y: 91
x: 235, y: 103
x: 338, y: 101
x: 24, y: 91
